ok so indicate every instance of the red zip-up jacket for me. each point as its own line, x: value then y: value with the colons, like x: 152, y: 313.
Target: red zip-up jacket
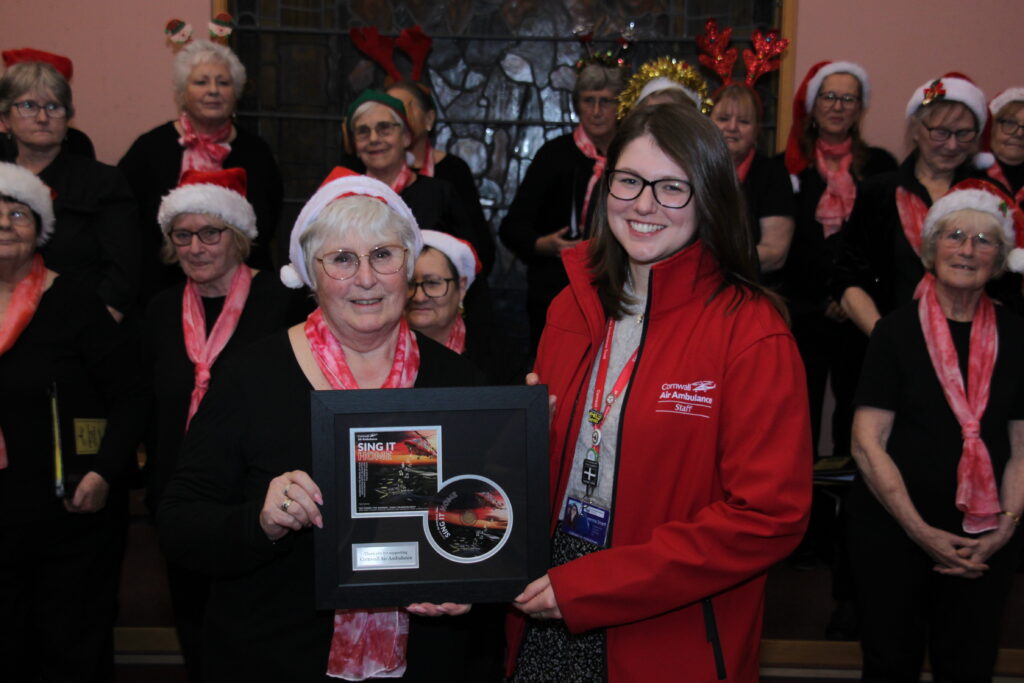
x: 713, y: 472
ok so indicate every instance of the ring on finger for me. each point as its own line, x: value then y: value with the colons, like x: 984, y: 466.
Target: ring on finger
x: 286, y: 491
x: 285, y: 504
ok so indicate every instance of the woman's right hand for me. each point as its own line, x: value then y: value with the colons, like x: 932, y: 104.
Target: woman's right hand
x: 951, y: 553
x: 291, y: 504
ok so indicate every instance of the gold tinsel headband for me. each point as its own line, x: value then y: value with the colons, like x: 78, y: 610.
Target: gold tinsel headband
x: 670, y: 69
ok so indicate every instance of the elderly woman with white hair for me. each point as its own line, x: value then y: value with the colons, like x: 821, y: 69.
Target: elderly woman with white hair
x: 69, y: 406
x: 241, y: 505
x: 938, y: 437
x: 208, y: 82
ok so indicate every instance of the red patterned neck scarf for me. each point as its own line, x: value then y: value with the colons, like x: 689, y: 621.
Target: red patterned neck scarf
x: 913, y: 211
x: 366, y: 643
x: 976, y: 494
x: 24, y: 302
x: 743, y: 168
x: 203, y: 152
x: 589, y: 150
x: 457, y: 337
x: 836, y: 201
x: 202, y: 350
x: 427, y: 168
x: 995, y: 172
x: 404, y: 178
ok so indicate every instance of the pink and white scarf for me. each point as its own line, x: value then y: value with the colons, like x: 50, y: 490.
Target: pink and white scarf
x: 404, y: 178
x: 366, y: 643
x: 976, y: 494
x: 836, y: 201
x: 913, y: 211
x: 589, y: 150
x: 427, y: 168
x: 203, y: 152
x: 202, y: 350
x: 457, y: 336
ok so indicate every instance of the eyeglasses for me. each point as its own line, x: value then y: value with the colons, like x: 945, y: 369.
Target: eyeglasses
x: 672, y: 193
x: 19, y: 218
x: 383, y: 129
x: 830, y: 98
x: 206, y: 235
x: 942, y: 134
x: 28, y: 109
x: 592, y: 101
x: 384, y: 260
x: 954, y: 239
x: 435, y: 289
x: 1009, y: 126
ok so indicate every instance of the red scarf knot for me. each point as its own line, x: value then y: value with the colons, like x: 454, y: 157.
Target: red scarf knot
x: 203, y: 152
x: 971, y: 430
x: 912, y: 211
x: 836, y: 202
x: 589, y: 150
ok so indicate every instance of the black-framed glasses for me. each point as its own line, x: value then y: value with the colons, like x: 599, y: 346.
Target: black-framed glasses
x: 206, y: 235
x: 383, y: 129
x: 435, y: 288
x: 387, y: 259
x: 982, y: 242
x: 939, y: 134
x: 672, y: 193
x: 830, y: 98
x: 1009, y: 126
x: 29, y: 108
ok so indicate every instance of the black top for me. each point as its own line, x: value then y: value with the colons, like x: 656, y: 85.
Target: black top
x: 808, y: 265
x: 153, y: 164
x: 269, y: 307
x: 456, y: 171
x: 926, y: 442
x: 768, y: 192
x: 72, y: 342
x: 254, y: 425
x: 1014, y: 175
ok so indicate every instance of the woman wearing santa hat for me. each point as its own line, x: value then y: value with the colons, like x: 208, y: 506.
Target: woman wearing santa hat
x: 242, y: 505
x: 69, y: 406
x: 96, y: 233
x: 827, y: 160
x: 208, y: 227
x: 1007, y: 141
x: 938, y: 437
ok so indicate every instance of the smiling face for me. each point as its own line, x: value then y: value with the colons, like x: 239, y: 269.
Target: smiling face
x: 209, y: 97
x: 738, y: 122
x: 967, y: 267
x: 836, y: 119
x: 17, y: 233
x: 40, y: 132
x: 434, y: 317
x: 944, y: 157
x: 383, y: 155
x: 367, y: 305
x: 648, y: 231
x: 1009, y: 147
x: 210, y: 266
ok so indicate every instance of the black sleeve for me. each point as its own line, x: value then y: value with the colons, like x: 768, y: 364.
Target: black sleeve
x: 777, y: 192
x: 117, y: 223
x: 521, y: 226
x: 458, y: 174
x: 879, y: 385
x: 861, y: 240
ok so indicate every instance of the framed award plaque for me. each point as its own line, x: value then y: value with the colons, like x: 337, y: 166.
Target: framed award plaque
x: 430, y: 495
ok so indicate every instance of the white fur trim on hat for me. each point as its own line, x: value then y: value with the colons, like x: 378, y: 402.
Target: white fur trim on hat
x: 1015, y: 94
x: 663, y: 83
x: 974, y: 200
x: 294, y: 275
x: 855, y: 70
x: 25, y: 186
x: 957, y: 90
x: 459, y: 252
x: 214, y: 200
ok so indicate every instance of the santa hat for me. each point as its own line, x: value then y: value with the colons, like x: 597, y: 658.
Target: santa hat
x: 953, y: 87
x: 460, y: 252
x: 980, y: 195
x: 24, y: 186
x: 217, y: 193
x: 62, y: 64
x: 341, y: 182
x: 1014, y: 94
x: 803, y: 104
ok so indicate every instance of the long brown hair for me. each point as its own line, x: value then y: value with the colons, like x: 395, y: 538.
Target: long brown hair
x: 697, y: 146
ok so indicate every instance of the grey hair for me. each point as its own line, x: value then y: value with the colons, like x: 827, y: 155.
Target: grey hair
x: 931, y: 242
x: 597, y: 77
x: 359, y: 216
x: 204, y: 52
x: 366, y: 106
x: 27, y: 76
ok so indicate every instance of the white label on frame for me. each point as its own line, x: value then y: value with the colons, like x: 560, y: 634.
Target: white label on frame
x: 374, y: 556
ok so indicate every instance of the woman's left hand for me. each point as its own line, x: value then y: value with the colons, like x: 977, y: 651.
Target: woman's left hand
x: 445, y: 609
x: 538, y: 600
x: 987, y: 546
x: 90, y: 494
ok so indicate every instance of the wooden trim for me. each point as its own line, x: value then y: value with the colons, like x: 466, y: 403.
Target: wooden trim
x: 217, y: 6
x: 787, y: 75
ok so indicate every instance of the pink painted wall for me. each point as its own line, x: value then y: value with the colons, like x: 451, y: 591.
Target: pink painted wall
x: 122, y: 80
x: 903, y: 43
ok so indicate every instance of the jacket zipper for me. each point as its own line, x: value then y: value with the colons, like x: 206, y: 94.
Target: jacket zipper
x: 711, y: 628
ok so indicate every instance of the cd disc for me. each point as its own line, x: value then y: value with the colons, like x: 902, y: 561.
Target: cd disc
x: 469, y: 519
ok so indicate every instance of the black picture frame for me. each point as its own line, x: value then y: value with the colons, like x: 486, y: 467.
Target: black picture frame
x: 492, y: 448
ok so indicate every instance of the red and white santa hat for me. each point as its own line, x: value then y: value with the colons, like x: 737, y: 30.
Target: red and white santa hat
x: 803, y: 104
x: 980, y: 195
x: 62, y: 64
x: 460, y: 252
x: 217, y: 193
x: 1013, y: 94
x: 952, y: 87
x: 24, y: 186
x: 340, y: 183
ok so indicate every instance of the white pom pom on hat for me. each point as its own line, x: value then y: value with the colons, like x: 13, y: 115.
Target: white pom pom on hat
x: 26, y: 187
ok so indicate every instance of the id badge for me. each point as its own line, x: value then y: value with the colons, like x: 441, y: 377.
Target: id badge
x: 586, y: 521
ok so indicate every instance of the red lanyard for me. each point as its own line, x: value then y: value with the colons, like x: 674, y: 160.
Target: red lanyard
x: 601, y: 406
